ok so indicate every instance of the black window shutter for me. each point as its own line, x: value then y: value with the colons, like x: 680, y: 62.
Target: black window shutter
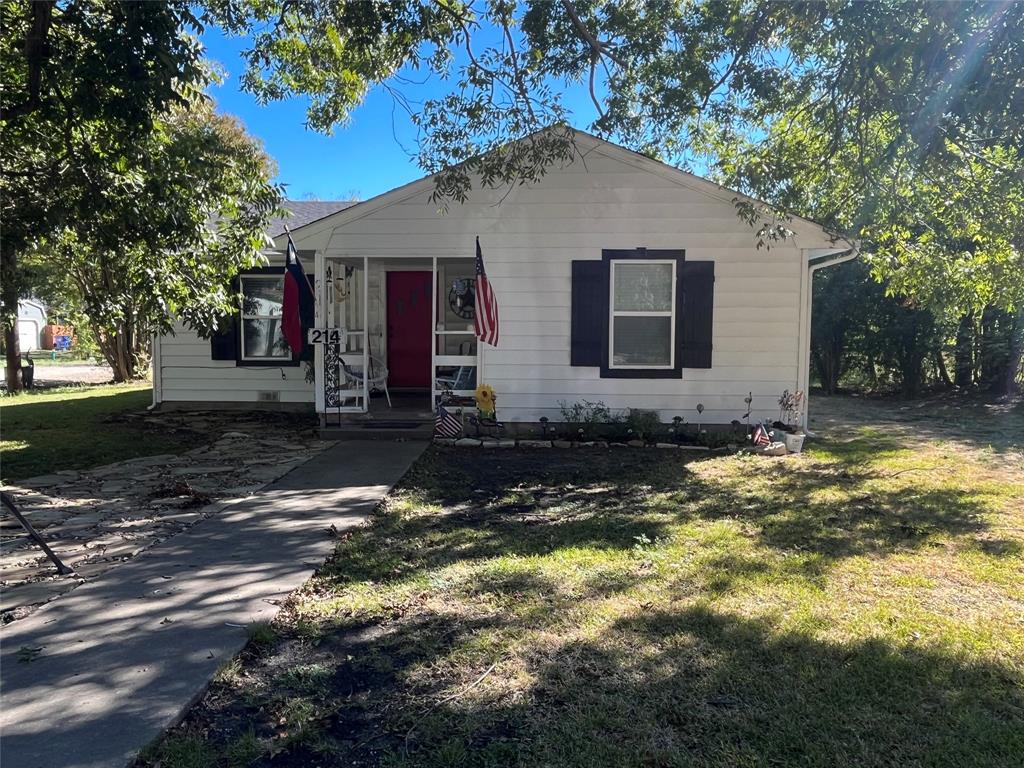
x: 698, y: 303
x: 224, y: 343
x: 589, y: 311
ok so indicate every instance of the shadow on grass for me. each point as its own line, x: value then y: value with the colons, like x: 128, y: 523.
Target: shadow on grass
x: 528, y: 505
x: 657, y: 686
x: 697, y: 687
x: 78, y: 432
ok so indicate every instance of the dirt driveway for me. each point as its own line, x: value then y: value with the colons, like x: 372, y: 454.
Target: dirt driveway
x: 64, y: 374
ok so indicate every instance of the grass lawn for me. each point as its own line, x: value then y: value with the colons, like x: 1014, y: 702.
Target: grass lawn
x: 75, y: 428
x: 861, y: 604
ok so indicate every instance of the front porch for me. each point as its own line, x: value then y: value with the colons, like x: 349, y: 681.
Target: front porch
x: 405, y: 337
x: 409, y: 415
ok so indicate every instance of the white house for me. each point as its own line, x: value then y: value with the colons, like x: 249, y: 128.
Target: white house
x: 619, y: 279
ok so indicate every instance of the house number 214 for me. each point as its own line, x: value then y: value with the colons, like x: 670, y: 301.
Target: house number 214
x: 325, y: 336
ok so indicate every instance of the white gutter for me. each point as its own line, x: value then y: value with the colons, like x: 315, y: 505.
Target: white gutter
x: 825, y: 258
x: 156, y: 367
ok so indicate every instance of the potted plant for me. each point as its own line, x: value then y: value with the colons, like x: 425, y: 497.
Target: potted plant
x: 787, y: 427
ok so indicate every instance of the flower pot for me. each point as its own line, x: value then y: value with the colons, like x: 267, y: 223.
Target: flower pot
x: 794, y: 443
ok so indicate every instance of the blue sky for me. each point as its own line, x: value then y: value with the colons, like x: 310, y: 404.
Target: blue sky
x: 361, y: 159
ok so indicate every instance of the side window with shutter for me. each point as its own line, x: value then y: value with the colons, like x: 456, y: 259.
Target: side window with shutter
x: 252, y: 336
x: 659, y: 296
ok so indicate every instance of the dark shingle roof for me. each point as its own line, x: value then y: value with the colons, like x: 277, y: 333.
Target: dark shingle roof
x: 305, y: 212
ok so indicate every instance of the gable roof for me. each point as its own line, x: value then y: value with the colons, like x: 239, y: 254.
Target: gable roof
x: 305, y: 212
x: 588, y: 142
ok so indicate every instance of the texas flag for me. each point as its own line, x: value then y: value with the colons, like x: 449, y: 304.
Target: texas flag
x: 297, y: 312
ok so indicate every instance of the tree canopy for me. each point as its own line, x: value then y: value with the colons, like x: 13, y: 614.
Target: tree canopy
x: 116, y: 169
x: 190, y: 218
x: 899, y: 123
x: 666, y: 77
x: 82, y: 81
x: 896, y: 122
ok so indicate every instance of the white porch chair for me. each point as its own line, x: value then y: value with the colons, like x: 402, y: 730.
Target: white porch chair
x: 461, y: 380
x: 377, y: 379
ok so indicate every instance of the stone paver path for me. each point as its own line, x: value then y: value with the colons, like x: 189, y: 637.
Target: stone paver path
x: 91, y: 678
x: 97, y: 519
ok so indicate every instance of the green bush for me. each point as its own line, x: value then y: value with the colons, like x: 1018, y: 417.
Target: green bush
x: 585, y: 420
x: 644, y: 425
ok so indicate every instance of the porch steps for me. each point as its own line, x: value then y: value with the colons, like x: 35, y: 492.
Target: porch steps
x: 379, y: 430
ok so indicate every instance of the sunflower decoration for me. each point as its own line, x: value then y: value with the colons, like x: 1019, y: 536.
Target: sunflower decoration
x: 485, y: 400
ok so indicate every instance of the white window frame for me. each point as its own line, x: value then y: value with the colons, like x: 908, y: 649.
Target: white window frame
x: 613, y: 313
x: 286, y: 355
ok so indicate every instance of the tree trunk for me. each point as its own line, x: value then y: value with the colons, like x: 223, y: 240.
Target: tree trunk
x: 125, y: 349
x: 998, y: 329
x: 910, y: 374
x: 1012, y: 377
x: 830, y: 360
x: 940, y: 366
x: 964, y: 355
x: 9, y: 309
x: 113, y: 348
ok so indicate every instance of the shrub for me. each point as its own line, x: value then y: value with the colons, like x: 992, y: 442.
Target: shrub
x: 583, y: 420
x: 718, y: 439
x: 645, y: 425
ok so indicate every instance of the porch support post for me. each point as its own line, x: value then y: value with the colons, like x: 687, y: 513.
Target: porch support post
x: 319, y: 313
x: 433, y: 334
x: 366, y: 334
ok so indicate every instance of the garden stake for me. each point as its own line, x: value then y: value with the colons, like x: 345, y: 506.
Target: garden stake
x: 8, y: 502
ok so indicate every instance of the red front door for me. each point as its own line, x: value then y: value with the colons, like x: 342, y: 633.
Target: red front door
x: 409, y: 329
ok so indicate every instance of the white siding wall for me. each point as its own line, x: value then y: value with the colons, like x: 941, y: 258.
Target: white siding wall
x: 533, y: 234
x: 189, y: 375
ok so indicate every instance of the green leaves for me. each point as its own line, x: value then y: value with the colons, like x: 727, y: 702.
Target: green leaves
x: 128, y: 197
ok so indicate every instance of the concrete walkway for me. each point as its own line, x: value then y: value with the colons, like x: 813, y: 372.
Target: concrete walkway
x: 124, y: 656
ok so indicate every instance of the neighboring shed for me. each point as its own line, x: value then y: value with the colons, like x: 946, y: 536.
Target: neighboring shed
x: 31, y: 321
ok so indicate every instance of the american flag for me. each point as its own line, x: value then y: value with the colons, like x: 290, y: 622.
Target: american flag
x: 760, y: 436
x: 446, y: 424
x: 485, y: 319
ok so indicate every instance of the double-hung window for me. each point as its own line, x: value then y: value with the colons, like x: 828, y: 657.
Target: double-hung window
x: 262, y: 300
x: 642, y: 319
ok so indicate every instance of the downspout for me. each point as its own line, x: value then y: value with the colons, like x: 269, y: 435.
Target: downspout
x: 158, y: 374
x: 829, y: 260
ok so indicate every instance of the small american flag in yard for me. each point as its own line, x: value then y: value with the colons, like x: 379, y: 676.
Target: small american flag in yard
x: 446, y: 424
x: 485, y: 321
x: 760, y: 436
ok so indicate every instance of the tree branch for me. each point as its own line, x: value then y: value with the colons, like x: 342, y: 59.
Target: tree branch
x: 517, y: 76
x: 37, y: 54
x: 594, y: 58
x: 599, y: 48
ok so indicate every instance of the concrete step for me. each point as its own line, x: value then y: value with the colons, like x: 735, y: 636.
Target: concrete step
x: 369, y: 430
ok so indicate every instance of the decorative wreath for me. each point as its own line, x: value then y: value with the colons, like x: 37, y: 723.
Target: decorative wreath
x: 462, y: 299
